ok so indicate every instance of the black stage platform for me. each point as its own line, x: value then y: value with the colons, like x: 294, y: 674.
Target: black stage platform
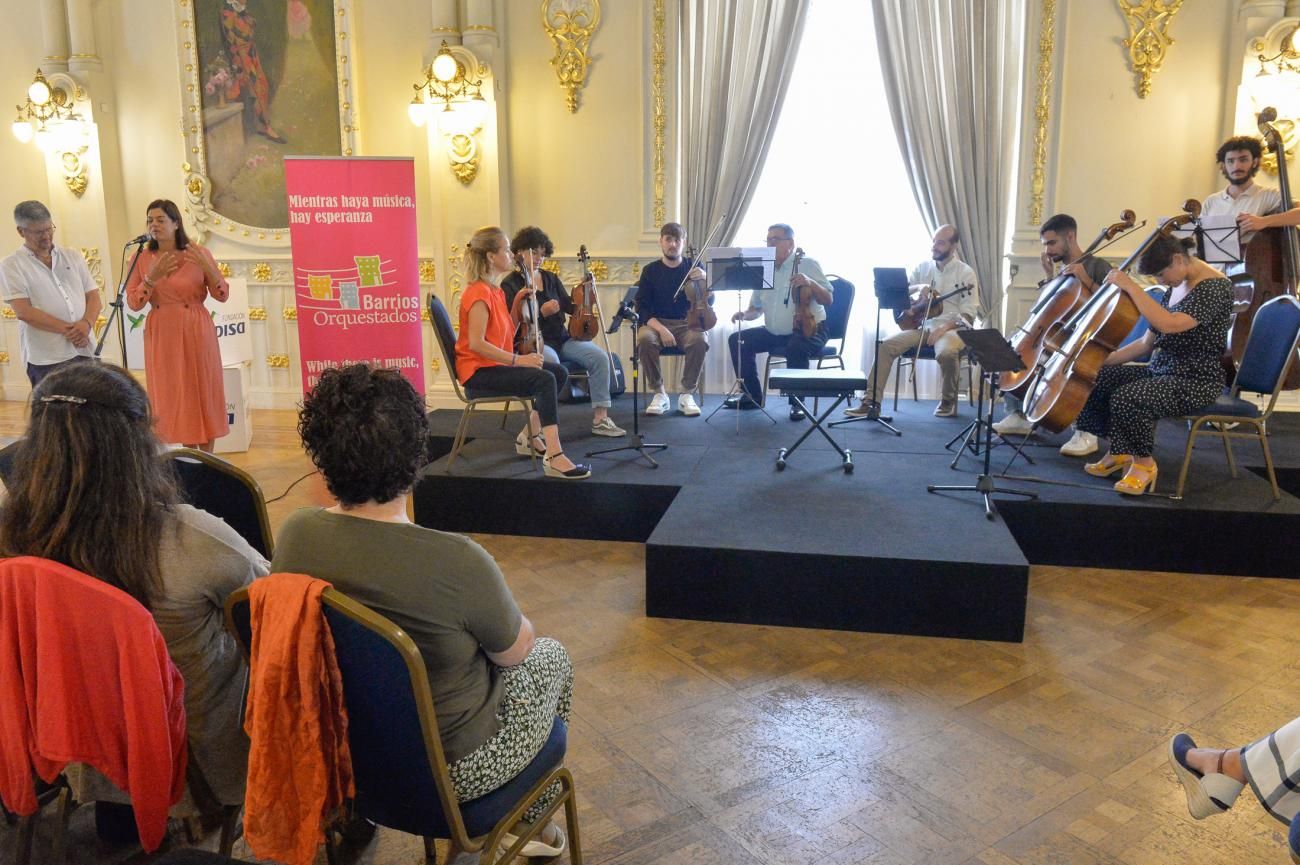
x: 729, y: 538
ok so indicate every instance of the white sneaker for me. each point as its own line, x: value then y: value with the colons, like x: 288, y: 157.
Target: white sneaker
x: 658, y: 404
x: 686, y: 405
x: 607, y: 427
x: 1081, y: 444
x: 1013, y: 424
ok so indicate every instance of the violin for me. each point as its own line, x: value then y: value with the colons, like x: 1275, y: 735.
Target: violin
x: 584, y: 321
x: 1082, y: 344
x: 804, y: 320
x: 1059, y: 299
x: 528, y: 337
x: 700, y: 316
x: 927, y: 306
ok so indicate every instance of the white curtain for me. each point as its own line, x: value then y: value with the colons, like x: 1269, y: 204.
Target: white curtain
x: 736, y: 61
x: 951, y: 71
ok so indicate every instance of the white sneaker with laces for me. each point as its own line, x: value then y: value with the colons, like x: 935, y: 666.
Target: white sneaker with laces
x: 1081, y: 444
x: 658, y: 404
x: 686, y: 405
x: 1013, y: 424
x: 607, y: 427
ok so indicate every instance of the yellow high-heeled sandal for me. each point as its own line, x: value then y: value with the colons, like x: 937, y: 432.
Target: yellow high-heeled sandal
x: 1137, y: 480
x: 1108, y: 465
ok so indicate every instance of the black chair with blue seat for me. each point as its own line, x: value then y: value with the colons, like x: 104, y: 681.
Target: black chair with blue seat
x: 446, y: 336
x: 1270, y: 351
x: 837, y: 327
x: 226, y: 491
x: 398, y: 765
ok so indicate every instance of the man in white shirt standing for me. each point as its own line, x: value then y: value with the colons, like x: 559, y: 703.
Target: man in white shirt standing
x: 1239, y: 159
x: 52, y: 292
x: 943, y: 273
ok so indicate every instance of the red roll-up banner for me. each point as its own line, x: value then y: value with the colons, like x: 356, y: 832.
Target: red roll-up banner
x: 355, y: 264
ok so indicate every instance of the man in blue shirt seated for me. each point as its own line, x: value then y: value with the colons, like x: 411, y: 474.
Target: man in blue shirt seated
x: 662, y: 313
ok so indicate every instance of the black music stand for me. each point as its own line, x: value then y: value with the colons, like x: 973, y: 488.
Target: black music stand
x: 626, y: 312
x: 990, y: 349
x: 740, y: 273
x: 891, y: 285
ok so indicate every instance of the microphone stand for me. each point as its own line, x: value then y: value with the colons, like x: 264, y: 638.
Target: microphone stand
x: 117, y: 312
x: 642, y: 447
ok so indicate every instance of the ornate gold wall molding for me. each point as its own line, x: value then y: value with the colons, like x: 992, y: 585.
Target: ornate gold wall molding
x: 1042, y: 110
x: 658, y: 60
x: 570, y: 24
x: 1149, y: 39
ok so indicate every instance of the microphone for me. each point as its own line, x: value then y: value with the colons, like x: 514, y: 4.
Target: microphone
x: 144, y: 238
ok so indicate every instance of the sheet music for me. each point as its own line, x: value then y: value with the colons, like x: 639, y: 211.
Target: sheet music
x: 1222, y: 238
x: 721, y: 258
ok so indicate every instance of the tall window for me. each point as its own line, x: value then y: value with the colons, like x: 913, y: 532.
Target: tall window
x: 834, y: 172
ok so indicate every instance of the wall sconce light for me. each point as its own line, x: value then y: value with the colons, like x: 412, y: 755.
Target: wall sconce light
x: 450, y: 94
x: 1277, y: 84
x: 48, y: 117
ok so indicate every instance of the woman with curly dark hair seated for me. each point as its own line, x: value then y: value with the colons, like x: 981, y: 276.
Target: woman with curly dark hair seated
x: 89, y: 489
x: 496, y: 688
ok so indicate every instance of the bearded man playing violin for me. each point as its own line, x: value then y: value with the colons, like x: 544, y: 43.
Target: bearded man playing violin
x: 942, y: 273
x: 531, y: 248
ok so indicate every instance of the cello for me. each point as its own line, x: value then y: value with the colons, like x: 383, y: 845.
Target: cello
x: 1271, y: 257
x: 584, y: 322
x: 700, y: 316
x: 1059, y: 299
x: 1082, y: 344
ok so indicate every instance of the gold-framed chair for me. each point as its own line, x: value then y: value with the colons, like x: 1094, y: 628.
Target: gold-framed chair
x: 400, y: 772
x: 227, y: 492
x: 446, y: 337
x: 1270, y: 351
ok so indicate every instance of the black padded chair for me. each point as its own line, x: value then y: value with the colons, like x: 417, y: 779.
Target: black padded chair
x: 226, y: 491
x: 446, y: 336
x: 398, y: 766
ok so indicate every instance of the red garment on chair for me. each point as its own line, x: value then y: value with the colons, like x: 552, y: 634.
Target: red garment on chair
x: 85, y: 678
x: 299, y: 764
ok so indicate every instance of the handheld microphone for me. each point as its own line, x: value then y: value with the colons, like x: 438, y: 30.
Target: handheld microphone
x: 144, y: 238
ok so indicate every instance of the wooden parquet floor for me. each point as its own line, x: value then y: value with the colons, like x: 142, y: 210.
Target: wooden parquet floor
x: 711, y: 743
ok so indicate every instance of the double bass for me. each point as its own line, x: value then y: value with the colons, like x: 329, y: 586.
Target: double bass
x: 1059, y: 299
x: 1271, y: 257
x: 1081, y: 345
x: 584, y: 321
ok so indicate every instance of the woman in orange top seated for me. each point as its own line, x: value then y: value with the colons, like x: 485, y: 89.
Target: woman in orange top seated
x: 486, y: 362
x: 182, y: 360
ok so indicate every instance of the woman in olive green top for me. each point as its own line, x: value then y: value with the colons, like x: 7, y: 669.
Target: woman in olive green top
x: 496, y: 688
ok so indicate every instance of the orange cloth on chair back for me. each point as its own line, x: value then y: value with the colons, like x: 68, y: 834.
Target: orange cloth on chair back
x: 85, y: 677
x: 299, y: 765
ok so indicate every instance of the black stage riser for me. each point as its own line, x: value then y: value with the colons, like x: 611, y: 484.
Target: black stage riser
x: 1154, y: 539
x: 889, y: 596
x: 549, y: 508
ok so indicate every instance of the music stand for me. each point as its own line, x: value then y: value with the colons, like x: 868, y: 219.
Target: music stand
x: 741, y: 269
x: 892, y: 291
x: 626, y: 312
x: 990, y: 349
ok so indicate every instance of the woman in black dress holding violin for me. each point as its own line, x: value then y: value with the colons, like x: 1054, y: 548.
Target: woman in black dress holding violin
x: 1188, y: 335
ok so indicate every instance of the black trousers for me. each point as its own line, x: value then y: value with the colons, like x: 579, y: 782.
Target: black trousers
x: 539, y: 385
x: 795, y: 346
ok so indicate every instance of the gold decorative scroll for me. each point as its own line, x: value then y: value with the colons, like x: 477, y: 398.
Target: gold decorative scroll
x: 658, y: 58
x: 1149, y: 39
x: 1042, y: 110
x: 570, y: 24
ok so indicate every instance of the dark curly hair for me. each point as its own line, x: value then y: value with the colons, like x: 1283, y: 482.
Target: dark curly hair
x: 1160, y: 254
x: 1249, y: 143
x: 365, y: 430
x: 531, y: 237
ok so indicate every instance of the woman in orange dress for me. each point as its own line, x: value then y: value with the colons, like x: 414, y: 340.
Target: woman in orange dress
x: 182, y: 360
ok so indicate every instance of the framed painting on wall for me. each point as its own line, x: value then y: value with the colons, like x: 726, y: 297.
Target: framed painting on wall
x: 263, y: 79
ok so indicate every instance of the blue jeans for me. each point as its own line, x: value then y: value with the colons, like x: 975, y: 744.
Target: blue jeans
x: 594, y: 360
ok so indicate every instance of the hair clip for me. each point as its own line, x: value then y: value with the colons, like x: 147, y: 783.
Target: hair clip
x: 59, y: 397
